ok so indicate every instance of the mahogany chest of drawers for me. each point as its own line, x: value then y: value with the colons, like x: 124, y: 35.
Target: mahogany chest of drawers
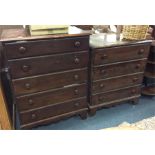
x: 48, y: 78
x: 116, y: 71
x: 54, y: 77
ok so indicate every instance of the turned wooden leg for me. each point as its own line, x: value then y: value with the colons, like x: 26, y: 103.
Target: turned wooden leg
x: 83, y: 115
x: 92, y: 112
x: 134, y: 101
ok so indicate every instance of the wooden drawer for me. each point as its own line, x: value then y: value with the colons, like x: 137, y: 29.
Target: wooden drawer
x: 52, y: 110
x: 118, y: 69
x: 45, y: 47
x: 122, y: 53
x: 48, y: 64
x: 49, y: 81
x: 116, y: 83
x: 107, y: 98
x: 50, y: 97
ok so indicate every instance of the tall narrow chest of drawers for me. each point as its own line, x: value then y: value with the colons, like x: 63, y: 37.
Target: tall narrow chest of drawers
x: 116, y: 70
x: 48, y: 77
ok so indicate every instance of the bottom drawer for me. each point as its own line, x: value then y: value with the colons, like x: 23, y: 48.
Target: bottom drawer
x: 51, y: 111
x: 106, y: 98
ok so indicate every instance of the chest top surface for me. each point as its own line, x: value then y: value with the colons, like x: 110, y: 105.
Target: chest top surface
x: 22, y: 34
x: 103, y: 40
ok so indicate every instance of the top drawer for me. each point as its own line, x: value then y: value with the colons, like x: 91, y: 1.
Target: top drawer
x: 43, y: 47
x: 122, y: 53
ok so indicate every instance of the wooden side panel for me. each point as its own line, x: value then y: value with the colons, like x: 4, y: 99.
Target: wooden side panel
x: 4, y: 117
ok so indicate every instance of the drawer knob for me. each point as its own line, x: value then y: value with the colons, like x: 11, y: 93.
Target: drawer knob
x: 76, y: 104
x: 30, y: 101
x: 33, y: 116
x: 76, y: 77
x: 101, y: 99
x: 76, y: 92
x: 22, y: 49
x: 76, y: 60
x: 77, y: 44
x: 141, y: 51
x: 103, y: 71
x: 27, y: 86
x: 135, y: 79
x: 104, y: 56
x: 101, y: 85
x: 138, y: 66
x: 133, y: 91
x: 25, y: 68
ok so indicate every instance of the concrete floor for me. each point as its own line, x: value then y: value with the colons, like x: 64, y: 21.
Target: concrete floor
x: 106, y: 118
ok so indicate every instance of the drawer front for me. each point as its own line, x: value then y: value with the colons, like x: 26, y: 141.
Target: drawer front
x: 49, y: 81
x: 50, y: 97
x: 116, y: 83
x: 122, y: 53
x: 106, y: 98
x: 118, y: 69
x: 43, y: 47
x: 54, y: 110
x: 48, y: 64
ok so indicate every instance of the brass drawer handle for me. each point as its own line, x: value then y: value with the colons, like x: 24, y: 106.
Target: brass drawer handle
x: 141, y: 51
x: 104, y: 56
x: 77, y: 104
x: 76, y: 60
x: 76, y: 92
x: 25, y: 68
x: 33, y: 116
x: 27, y: 86
x: 22, y: 50
x: 77, y: 44
x: 76, y: 77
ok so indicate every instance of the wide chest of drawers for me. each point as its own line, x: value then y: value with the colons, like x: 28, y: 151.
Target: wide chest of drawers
x: 116, y: 72
x: 48, y: 78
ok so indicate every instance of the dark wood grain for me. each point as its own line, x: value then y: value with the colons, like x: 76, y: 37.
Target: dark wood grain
x: 116, y: 83
x: 104, y: 98
x: 116, y: 70
x: 48, y: 64
x: 120, y: 53
x: 48, y: 73
x: 123, y: 68
x: 54, y: 119
x: 53, y: 110
x: 41, y: 99
x: 149, y: 90
x: 45, y: 47
x: 49, y: 81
